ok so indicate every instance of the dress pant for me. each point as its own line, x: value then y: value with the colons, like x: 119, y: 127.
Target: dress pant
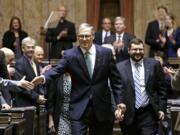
x: 145, y: 123
x: 89, y: 122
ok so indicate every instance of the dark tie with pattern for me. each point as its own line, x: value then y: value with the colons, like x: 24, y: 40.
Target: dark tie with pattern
x: 88, y: 62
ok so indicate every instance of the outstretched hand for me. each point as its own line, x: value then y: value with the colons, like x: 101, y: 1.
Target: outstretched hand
x: 38, y: 80
x: 25, y: 84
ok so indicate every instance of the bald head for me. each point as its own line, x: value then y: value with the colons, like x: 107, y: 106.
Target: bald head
x: 38, y: 54
x: 9, y: 54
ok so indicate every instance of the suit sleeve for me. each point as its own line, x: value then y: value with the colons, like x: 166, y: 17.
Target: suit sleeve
x: 149, y: 39
x: 58, y: 70
x: 18, y: 75
x: 162, y: 93
x: 116, y: 82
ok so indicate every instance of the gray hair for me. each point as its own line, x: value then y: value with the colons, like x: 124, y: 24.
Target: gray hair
x: 28, y: 40
x: 119, y: 18
x: 86, y: 26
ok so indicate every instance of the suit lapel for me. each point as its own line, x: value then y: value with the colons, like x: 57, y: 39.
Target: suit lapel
x: 129, y: 73
x: 146, y: 70
x: 82, y: 62
x: 98, y: 61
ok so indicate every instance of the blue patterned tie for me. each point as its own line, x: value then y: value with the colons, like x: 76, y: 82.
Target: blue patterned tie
x: 88, y: 62
x: 137, y: 84
x: 140, y: 92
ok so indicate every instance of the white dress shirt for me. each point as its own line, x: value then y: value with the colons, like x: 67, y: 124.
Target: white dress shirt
x: 92, y: 53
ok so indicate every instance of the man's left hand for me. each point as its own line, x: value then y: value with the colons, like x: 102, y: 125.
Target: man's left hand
x: 119, y: 113
x: 161, y: 115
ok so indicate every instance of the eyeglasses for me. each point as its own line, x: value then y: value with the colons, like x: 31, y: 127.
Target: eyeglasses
x: 84, y: 36
x: 137, y: 49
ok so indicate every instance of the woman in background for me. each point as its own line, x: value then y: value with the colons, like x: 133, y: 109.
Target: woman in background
x: 172, y: 36
x: 13, y: 37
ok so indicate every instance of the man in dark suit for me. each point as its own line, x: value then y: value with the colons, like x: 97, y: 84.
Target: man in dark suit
x: 25, y: 66
x: 62, y: 36
x: 90, y: 66
x: 104, y: 33
x: 120, y: 39
x: 145, y: 91
x: 155, y: 32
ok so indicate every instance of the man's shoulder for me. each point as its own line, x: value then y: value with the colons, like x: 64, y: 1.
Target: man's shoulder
x: 154, y: 22
x: 122, y: 63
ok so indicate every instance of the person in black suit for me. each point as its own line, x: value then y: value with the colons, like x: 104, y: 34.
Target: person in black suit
x: 106, y: 31
x: 145, y: 91
x: 90, y: 66
x: 120, y: 40
x: 62, y: 36
x: 155, y: 32
x: 13, y: 37
x: 25, y: 66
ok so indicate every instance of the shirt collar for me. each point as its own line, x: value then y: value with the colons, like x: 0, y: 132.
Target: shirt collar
x: 117, y: 34
x: 91, y: 50
x: 134, y: 62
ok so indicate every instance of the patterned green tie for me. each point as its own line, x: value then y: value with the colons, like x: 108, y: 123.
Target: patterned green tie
x: 88, y: 62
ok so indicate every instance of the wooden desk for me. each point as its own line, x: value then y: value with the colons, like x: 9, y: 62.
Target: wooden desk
x: 18, y: 126
x: 6, y: 129
x: 174, y: 61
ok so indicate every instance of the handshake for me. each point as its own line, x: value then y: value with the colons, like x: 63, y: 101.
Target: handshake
x: 30, y: 85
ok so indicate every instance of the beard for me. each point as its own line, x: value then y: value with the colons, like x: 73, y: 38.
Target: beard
x: 136, y: 57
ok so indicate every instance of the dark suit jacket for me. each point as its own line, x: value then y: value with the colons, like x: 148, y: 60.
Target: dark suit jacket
x: 24, y: 68
x: 98, y: 37
x: 122, y: 54
x: 64, y: 43
x: 85, y: 88
x: 9, y: 38
x: 155, y: 86
x: 152, y: 34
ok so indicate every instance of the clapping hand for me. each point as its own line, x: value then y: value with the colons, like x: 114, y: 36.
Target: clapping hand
x: 38, y: 80
x: 25, y: 84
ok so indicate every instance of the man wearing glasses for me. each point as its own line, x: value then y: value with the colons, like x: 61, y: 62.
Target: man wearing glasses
x: 90, y: 66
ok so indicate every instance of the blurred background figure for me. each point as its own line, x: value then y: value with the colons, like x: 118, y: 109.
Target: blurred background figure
x: 155, y: 31
x: 62, y: 36
x: 172, y: 36
x: 38, y: 59
x: 120, y: 40
x: 106, y: 31
x: 13, y: 37
x: 10, y: 61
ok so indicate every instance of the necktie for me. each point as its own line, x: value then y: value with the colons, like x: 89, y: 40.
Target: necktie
x: 88, y: 63
x: 106, y: 35
x: 140, y: 93
x: 34, y: 67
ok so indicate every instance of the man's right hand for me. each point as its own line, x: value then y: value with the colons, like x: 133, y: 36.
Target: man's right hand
x: 38, y: 80
x: 41, y: 99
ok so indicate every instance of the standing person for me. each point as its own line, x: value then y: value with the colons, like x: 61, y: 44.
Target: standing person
x: 172, y: 36
x: 90, y: 66
x: 58, y: 105
x: 155, y: 31
x: 106, y: 31
x: 38, y: 59
x: 145, y: 92
x: 62, y: 36
x: 13, y: 37
x: 120, y: 40
x: 25, y: 66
